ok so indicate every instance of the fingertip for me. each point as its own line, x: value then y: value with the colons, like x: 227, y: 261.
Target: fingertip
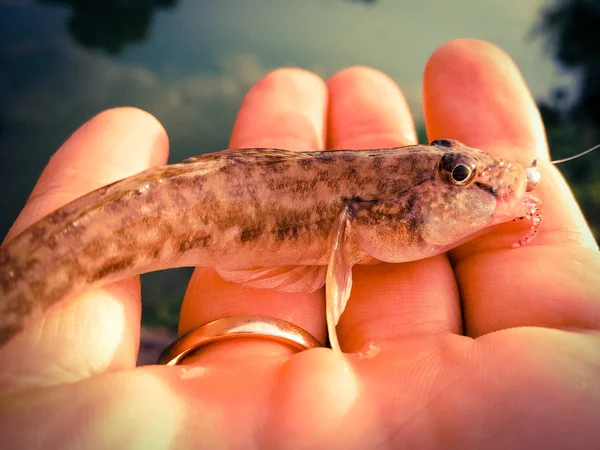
x: 349, y: 76
x: 288, y: 77
x: 143, y: 135
x: 129, y: 114
x: 366, y: 109
x: 287, y: 107
x: 474, y: 92
x: 467, y: 49
x: 289, y: 82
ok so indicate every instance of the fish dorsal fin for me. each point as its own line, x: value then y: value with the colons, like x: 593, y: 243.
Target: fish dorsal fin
x: 254, y: 155
x: 280, y: 278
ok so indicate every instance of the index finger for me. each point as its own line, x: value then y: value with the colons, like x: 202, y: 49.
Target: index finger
x: 474, y: 93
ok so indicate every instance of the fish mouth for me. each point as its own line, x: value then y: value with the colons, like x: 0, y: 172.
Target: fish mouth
x: 508, y: 206
x: 487, y: 188
x: 508, y: 186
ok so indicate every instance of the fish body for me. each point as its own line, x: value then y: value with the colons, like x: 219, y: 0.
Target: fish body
x: 264, y: 217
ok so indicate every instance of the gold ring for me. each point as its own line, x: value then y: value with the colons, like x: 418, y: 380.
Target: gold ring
x: 235, y: 327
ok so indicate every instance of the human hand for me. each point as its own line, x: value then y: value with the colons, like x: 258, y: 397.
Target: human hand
x: 511, y: 362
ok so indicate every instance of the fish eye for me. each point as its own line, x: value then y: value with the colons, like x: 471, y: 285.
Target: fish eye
x: 457, y: 168
x: 460, y: 173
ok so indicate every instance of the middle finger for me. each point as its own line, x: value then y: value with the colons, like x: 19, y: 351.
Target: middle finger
x: 388, y: 301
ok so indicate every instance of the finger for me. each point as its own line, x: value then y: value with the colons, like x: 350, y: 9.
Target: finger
x: 99, y: 330
x: 367, y: 110
x: 360, y: 114
x: 473, y: 92
x: 286, y: 109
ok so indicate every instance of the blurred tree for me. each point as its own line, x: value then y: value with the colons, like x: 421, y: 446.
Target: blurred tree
x: 571, y: 29
x: 572, y: 32
x: 110, y: 25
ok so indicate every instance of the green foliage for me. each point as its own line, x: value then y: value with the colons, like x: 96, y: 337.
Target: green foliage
x: 582, y: 174
x: 571, y: 30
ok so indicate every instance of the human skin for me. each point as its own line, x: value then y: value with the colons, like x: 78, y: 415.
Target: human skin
x: 511, y: 362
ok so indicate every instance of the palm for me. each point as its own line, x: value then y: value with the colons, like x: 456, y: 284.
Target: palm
x: 486, y: 347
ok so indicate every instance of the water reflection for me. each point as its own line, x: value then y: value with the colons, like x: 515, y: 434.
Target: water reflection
x: 110, y: 25
x: 191, y: 68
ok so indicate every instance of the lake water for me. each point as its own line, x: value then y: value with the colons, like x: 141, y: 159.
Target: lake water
x: 190, y: 62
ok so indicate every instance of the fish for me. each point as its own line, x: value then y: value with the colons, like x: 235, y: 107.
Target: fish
x: 267, y: 218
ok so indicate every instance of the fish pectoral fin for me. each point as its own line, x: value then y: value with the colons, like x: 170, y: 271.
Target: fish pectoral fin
x: 339, y: 276
x: 280, y: 278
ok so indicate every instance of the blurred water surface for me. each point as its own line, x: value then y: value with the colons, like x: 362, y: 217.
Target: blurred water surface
x: 190, y: 62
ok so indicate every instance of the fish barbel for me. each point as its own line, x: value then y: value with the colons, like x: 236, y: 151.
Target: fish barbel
x: 266, y: 218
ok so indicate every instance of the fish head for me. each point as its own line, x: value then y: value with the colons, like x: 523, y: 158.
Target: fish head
x: 473, y: 190
x: 464, y: 191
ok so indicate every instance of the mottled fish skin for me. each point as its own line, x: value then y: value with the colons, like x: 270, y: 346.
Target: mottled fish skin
x: 244, y: 208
